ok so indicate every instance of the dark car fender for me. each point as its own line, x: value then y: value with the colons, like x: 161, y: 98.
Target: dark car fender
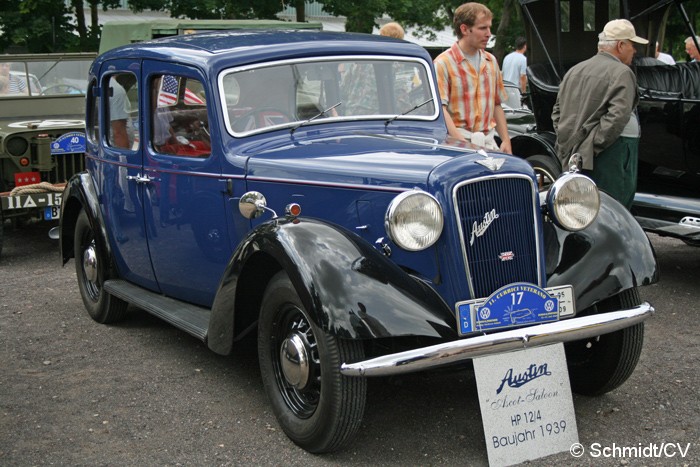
x: 349, y: 288
x: 611, y: 255
x: 80, y: 193
x: 532, y: 144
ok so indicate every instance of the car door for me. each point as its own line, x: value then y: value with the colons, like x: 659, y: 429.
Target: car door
x: 184, y: 205
x: 120, y: 172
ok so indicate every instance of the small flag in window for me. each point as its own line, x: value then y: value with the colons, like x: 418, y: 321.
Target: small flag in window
x: 192, y: 98
x: 167, y: 95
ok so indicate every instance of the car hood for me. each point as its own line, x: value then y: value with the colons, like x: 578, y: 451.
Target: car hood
x: 389, y: 161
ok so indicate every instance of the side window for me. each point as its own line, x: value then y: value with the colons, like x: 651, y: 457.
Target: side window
x: 92, y: 121
x: 179, y: 121
x: 122, y: 111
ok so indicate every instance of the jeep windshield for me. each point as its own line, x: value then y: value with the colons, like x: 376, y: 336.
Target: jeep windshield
x: 51, y: 77
x: 285, y: 94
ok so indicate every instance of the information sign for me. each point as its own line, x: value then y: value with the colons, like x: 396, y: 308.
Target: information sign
x: 526, y: 404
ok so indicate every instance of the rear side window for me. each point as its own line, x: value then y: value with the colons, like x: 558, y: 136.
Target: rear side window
x: 179, y: 121
x: 122, y: 111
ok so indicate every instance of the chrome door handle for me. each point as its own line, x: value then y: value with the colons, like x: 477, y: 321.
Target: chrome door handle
x: 140, y: 178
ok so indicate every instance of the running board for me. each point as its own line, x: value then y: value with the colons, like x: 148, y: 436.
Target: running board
x: 192, y: 319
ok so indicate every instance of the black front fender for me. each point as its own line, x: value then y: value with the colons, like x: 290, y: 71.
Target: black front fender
x: 611, y: 255
x: 80, y: 193
x: 350, y: 289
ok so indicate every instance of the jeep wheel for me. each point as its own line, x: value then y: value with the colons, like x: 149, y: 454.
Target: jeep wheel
x: 601, y: 364
x: 92, y: 269
x: 547, y: 170
x: 317, y: 407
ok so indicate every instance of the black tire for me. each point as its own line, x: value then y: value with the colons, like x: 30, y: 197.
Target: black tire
x: 92, y: 268
x: 601, y: 364
x: 547, y: 170
x: 317, y: 407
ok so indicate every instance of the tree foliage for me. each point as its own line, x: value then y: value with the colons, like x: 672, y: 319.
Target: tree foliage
x: 55, y: 25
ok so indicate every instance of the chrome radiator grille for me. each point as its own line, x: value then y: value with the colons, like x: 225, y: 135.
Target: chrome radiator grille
x: 498, y: 231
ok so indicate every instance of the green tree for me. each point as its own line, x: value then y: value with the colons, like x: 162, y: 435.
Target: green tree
x: 214, y: 9
x: 36, y: 26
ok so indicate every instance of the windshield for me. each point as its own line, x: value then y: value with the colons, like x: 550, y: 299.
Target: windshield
x: 43, y: 78
x: 285, y: 94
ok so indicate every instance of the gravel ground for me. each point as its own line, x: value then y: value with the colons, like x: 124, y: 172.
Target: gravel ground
x: 73, y: 392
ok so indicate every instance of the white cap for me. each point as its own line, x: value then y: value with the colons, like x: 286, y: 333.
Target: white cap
x: 620, y: 30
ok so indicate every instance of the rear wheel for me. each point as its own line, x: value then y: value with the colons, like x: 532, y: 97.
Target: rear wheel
x: 317, y: 407
x: 601, y: 364
x: 546, y: 170
x: 92, y: 268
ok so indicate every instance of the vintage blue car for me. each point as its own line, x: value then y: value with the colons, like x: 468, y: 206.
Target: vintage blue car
x: 300, y: 185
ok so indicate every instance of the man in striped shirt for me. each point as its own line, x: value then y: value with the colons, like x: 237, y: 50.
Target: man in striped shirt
x: 470, y: 82
x: 15, y: 84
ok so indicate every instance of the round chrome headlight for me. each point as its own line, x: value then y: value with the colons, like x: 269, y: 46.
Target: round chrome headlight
x: 573, y: 202
x: 414, y: 220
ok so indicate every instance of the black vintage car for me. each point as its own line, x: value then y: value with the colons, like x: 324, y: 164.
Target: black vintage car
x: 562, y: 33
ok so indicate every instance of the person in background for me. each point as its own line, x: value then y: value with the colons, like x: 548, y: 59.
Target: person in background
x: 470, y: 82
x: 119, y: 108
x: 594, y: 114
x: 4, y: 84
x: 666, y: 58
x: 691, y: 49
x: 392, y: 30
x: 15, y: 85
x: 515, y: 65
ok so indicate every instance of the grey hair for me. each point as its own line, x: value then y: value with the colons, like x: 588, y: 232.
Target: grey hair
x: 606, y: 44
x: 689, y: 39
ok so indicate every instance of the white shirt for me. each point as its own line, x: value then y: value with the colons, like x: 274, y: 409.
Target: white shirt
x: 666, y: 58
x: 514, y: 66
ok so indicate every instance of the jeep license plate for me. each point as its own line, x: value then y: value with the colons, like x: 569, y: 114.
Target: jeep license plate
x: 515, y: 305
x: 52, y: 212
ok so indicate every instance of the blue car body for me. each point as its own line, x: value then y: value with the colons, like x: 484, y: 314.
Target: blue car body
x: 167, y: 235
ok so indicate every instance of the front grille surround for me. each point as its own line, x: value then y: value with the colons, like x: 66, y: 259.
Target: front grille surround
x: 515, y: 200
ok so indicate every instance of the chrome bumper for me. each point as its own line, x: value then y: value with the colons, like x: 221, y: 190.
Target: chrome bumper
x: 506, y: 341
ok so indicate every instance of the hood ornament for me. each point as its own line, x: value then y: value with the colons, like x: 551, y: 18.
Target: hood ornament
x: 491, y: 163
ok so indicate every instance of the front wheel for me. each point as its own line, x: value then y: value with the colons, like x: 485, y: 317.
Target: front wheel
x: 601, y: 364
x: 318, y: 408
x: 92, y: 269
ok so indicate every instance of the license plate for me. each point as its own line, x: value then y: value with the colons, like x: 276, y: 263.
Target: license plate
x: 52, y: 212
x: 515, y: 305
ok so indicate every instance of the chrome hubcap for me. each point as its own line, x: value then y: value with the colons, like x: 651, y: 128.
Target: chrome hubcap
x: 294, y: 359
x: 90, y: 263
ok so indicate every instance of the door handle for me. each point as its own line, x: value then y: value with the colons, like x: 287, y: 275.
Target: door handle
x: 140, y: 178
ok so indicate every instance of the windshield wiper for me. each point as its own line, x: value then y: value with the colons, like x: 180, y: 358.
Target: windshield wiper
x: 407, y: 112
x: 320, y: 114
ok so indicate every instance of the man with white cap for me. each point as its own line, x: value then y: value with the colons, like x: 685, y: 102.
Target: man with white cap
x: 594, y: 114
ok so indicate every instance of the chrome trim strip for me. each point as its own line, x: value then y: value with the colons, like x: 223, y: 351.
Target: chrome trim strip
x: 535, y: 210
x: 506, y: 341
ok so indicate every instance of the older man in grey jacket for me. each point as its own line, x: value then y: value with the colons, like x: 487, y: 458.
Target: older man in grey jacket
x: 595, y: 116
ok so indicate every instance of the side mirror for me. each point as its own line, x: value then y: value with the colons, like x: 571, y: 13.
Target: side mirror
x: 252, y: 204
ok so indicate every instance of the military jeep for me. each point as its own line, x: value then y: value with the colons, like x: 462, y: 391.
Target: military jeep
x: 42, y: 132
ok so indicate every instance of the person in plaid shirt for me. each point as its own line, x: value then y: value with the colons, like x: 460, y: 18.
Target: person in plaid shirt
x: 470, y: 82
